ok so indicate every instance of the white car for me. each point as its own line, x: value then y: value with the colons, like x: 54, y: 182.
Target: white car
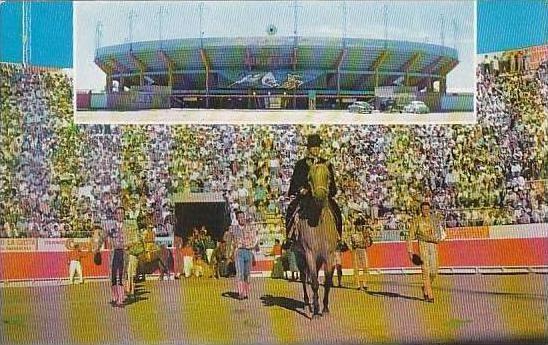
x: 417, y: 107
x: 360, y: 107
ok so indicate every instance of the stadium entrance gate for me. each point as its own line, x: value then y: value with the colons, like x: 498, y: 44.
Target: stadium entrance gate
x: 197, y: 209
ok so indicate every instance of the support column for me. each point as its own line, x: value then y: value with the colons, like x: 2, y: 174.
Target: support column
x: 339, y: 102
x: 443, y: 85
x: 410, y: 64
x: 338, y: 64
x: 206, y: 64
x: 170, y: 76
x: 168, y: 62
x: 377, y: 65
x: 430, y: 85
x: 108, y: 86
x: 141, y: 66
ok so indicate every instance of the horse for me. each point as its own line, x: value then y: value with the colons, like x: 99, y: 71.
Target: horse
x: 161, y: 258
x: 140, y: 263
x: 317, y: 239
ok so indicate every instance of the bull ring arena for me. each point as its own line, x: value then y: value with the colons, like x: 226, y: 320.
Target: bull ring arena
x: 314, y: 73
x: 493, y: 264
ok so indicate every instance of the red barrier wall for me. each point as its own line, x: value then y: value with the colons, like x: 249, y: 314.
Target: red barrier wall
x: 455, y: 253
x: 46, y: 265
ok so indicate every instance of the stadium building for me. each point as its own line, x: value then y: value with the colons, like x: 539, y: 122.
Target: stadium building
x: 271, y: 72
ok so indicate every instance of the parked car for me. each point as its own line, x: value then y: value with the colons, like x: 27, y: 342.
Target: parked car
x: 417, y: 107
x: 390, y: 106
x: 360, y: 107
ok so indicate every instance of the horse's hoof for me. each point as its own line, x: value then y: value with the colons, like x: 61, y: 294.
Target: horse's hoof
x: 316, y: 316
x: 325, y: 311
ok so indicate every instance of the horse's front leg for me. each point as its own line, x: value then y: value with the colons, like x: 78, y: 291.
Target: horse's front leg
x: 303, y: 275
x: 313, y: 272
x: 301, y: 264
x: 328, y: 284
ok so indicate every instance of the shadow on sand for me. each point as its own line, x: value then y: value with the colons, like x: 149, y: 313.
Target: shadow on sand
x: 230, y: 294
x: 392, y: 295
x: 286, y: 303
x: 138, y: 296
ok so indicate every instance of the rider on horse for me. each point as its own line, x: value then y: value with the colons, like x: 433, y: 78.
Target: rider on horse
x: 300, y: 187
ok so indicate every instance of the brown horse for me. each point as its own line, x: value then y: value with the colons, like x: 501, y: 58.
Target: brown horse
x: 141, y: 263
x: 315, y: 245
x: 160, y: 259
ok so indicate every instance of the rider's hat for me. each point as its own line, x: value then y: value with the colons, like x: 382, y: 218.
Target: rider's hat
x: 313, y: 140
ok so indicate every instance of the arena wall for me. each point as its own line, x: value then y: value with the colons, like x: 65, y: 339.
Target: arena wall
x: 46, y: 259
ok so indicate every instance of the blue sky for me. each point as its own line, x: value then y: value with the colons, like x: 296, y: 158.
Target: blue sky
x: 511, y: 24
x: 51, y: 36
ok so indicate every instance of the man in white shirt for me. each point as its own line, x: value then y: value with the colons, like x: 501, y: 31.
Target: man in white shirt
x: 244, y: 241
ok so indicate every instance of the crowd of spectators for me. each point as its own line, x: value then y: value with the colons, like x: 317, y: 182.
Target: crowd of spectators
x: 57, y: 179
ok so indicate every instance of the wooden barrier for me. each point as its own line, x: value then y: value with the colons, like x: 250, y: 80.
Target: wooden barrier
x: 516, y: 252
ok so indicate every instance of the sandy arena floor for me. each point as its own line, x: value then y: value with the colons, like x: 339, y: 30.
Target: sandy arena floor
x: 468, y: 309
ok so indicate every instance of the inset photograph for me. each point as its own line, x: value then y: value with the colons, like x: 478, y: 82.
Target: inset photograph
x: 290, y: 62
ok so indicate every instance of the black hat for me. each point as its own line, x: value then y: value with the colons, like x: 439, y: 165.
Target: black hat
x: 417, y: 260
x: 313, y: 140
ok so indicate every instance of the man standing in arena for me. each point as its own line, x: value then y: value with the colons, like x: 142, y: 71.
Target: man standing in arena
x: 361, y: 240
x: 300, y: 188
x: 426, y: 227
x: 75, y: 255
x: 116, y: 235
x: 245, y: 241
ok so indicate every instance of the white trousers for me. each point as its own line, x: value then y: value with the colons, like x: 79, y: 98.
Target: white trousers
x: 187, y: 265
x: 75, y: 267
x: 209, y: 253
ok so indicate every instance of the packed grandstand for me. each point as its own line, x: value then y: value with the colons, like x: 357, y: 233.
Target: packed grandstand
x: 57, y: 179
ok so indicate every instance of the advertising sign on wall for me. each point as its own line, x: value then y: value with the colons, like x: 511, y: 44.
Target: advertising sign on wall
x: 17, y: 244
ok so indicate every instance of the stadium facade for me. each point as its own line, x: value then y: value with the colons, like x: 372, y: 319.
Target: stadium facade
x: 253, y: 72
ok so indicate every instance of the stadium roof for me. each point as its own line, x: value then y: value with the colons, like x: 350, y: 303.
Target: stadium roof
x: 357, y: 59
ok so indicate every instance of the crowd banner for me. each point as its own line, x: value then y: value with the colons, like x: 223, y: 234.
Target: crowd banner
x: 56, y: 244
x: 18, y: 245
x: 468, y: 232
